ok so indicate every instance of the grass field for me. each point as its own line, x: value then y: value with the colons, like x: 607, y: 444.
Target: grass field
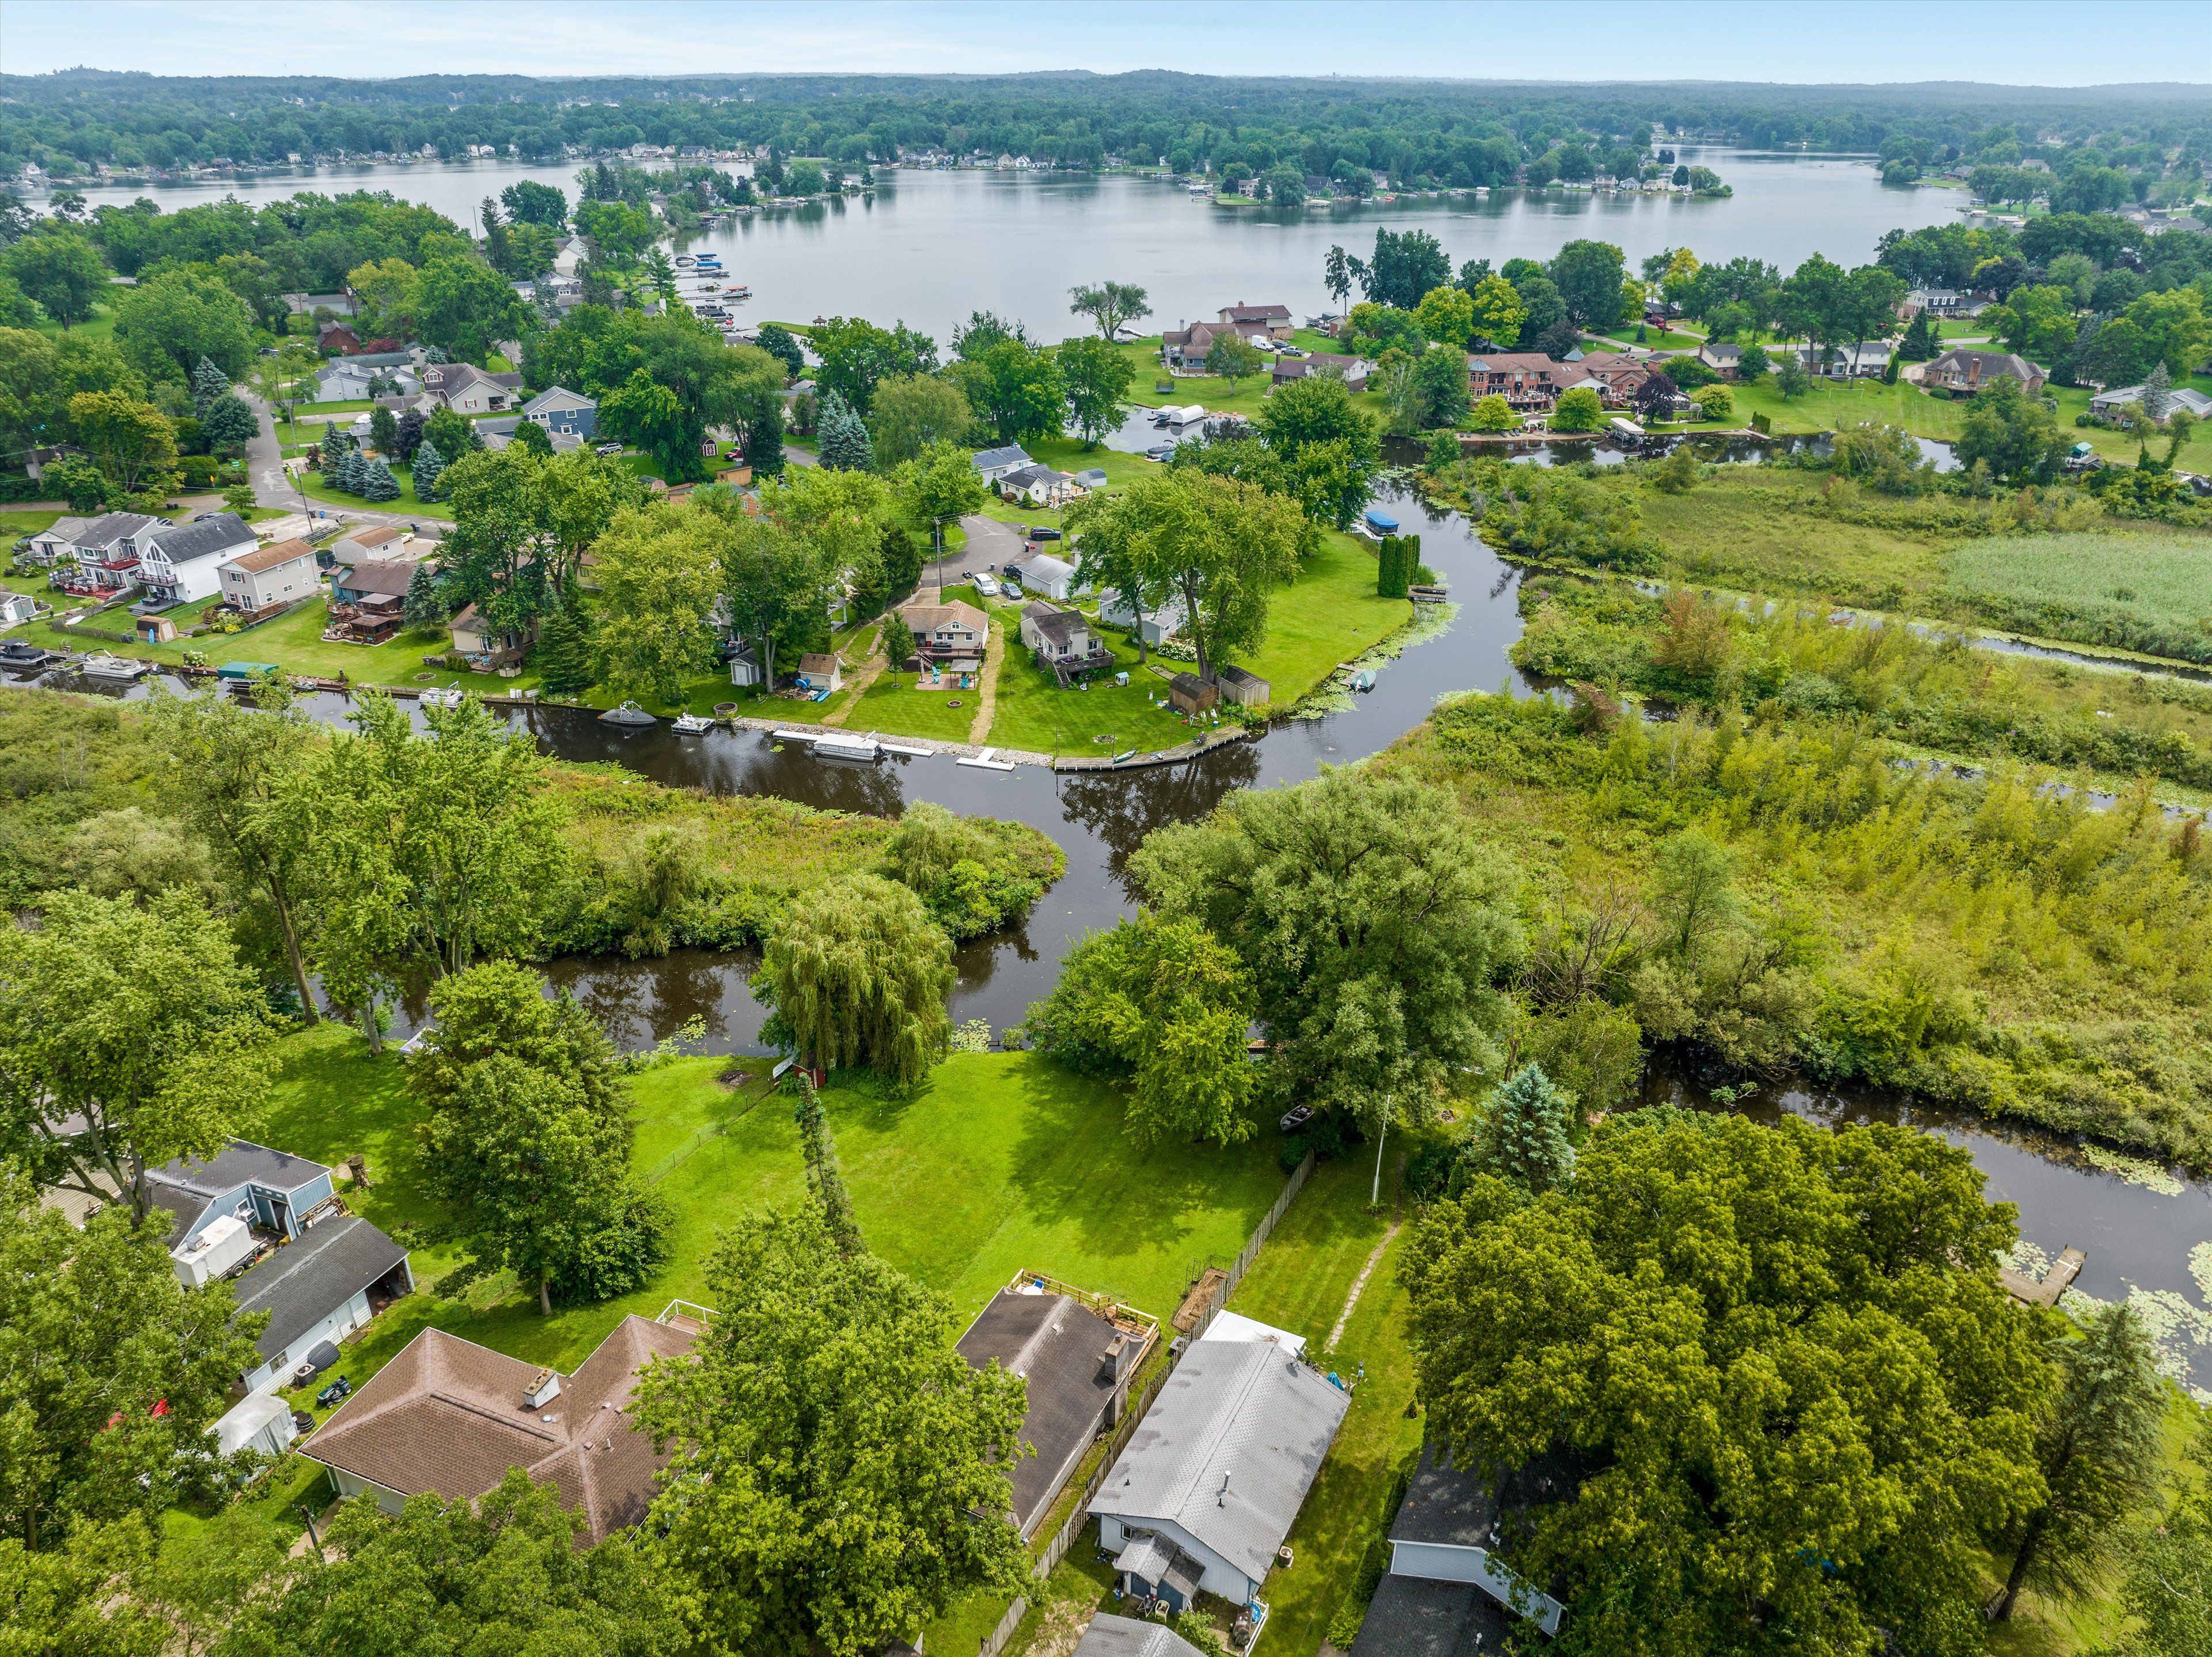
x: 901, y: 708
x: 2161, y: 576
x: 1738, y: 529
x: 1034, y: 713
x: 312, y: 485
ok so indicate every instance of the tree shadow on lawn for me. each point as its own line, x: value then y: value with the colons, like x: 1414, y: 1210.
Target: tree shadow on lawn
x: 1076, y: 1162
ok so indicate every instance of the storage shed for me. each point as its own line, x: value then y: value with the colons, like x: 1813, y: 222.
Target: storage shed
x: 1188, y: 693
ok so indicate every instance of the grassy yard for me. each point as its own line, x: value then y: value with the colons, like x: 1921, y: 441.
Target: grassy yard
x: 13, y: 525
x: 295, y: 643
x: 312, y: 485
x: 1034, y: 713
x: 902, y: 709
x: 101, y: 327
x: 1001, y: 1162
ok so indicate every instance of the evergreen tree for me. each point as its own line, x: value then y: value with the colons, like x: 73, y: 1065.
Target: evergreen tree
x: 208, y: 383
x: 334, y: 445
x: 1919, y: 340
x: 825, y: 1179
x: 428, y: 463
x: 353, y: 477
x: 378, y: 484
x: 2157, y: 392
x: 424, y: 607
x: 226, y: 423
x: 2098, y: 1450
x: 844, y: 439
x: 567, y: 647
x: 1526, y: 1129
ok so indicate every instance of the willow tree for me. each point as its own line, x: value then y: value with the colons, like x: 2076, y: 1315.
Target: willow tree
x: 858, y: 973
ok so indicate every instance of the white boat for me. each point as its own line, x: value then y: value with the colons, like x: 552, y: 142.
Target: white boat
x: 100, y: 664
x: 693, y: 724
x: 449, y: 698
x: 841, y: 747
x: 682, y: 260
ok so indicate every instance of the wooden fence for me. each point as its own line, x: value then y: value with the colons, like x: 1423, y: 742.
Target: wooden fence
x: 1064, y: 1538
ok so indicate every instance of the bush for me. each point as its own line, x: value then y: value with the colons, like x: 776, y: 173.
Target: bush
x: 625, y: 1254
x: 1714, y: 402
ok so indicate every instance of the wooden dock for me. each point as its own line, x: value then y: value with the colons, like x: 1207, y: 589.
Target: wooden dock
x: 2055, y: 1281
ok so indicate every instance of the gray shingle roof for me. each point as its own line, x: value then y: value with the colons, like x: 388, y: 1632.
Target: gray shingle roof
x: 1059, y: 1345
x: 224, y: 533
x: 1060, y: 626
x: 1245, y: 1409
x: 237, y: 1163
x: 557, y: 397
x: 1414, y: 1617
x: 1012, y: 454
x: 1126, y: 1636
x: 303, y: 1283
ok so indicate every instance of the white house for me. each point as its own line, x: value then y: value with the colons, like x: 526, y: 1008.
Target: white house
x: 946, y: 633
x: 1216, y: 1472
x: 57, y: 541
x: 276, y: 574
x: 1161, y: 624
x: 182, y: 563
x: 996, y: 463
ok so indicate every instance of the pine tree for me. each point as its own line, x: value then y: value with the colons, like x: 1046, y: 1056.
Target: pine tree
x: 378, y: 484
x: 567, y: 648
x: 2157, y: 392
x: 824, y: 1179
x: 424, y: 607
x: 334, y: 445
x: 2099, y: 1452
x: 1528, y: 1131
x: 844, y: 438
x: 208, y: 383
x: 353, y: 473
x: 428, y: 463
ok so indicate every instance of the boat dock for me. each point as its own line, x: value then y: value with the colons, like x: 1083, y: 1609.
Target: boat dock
x: 2028, y: 1291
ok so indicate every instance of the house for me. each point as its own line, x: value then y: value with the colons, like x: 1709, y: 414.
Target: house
x: 1526, y: 379
x: 2107, y: 404
x: 1236, y: 685
x: 320, y: 1271
x: 276, y: 574
x: 1937, y: 302
x: 996, y: 463
x: 449, y: 1417
x: 106, y: 550
x: 337, y: 336
x: 380, y: 544
x: 488, y: 647
x: 1274, y: 319
x: 1159, y: 624
x: 465, y: 387
x: 1215, y: 1473
x: 341, y: 304
x: 1353, y: 370
x: 57, y: 541
x: 356, y: 583
x: 319, y: 1290
x: 1109, y: 1636
x: 1091, y: 479
x: 1187, y: 693
x: 945, y: 633
x: 564, y: 413
x: 181, y: 564
x: 1863, y: 359
x: 347, y: 379
x: 1186, y: 347
x: 1962, y: 371
x: 1054, y: 634
x: 1447, y: 1591
x: 1042, y: 573
x: 821, y: 670
x: 1722, y: 358
x: 1077, y: 1355
x: 1039, y: 485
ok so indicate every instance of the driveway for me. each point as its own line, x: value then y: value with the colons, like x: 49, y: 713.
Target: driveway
x: 990, y: 542
x: 273, y: 486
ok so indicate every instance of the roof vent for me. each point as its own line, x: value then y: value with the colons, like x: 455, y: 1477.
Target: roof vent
x: 543, y: 1387
x: 1222, y: 1501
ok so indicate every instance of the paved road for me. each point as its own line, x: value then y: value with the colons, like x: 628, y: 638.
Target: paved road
x: 989, y: 543
x: 273, y: 486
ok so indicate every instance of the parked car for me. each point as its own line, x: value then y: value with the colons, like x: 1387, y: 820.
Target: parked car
x: 608, y: 448
x: 1296, y: 1118
x: 1042, y: 533
x: 987, y: 587
x: 330, y: 1395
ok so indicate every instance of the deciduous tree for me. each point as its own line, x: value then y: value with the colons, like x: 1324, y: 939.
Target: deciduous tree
x: 1232, y: 357
x: 61, y: 271
x: 841, y: 1472
x: 1781, y: 1391
x: 1096, y: 376
x: 857, y: 973
x: 132, y: 442
x: 660, y: 571
x: 915, y: 411
x: 1110, y: 305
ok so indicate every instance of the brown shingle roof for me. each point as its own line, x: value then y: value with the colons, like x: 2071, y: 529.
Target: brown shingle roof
x: 269, y: 557
x: 448, y: 1416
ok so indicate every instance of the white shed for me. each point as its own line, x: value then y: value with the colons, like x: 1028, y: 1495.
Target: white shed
x: 262, y: 1421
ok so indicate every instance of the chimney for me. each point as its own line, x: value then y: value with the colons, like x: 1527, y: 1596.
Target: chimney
x: 544, y: 1388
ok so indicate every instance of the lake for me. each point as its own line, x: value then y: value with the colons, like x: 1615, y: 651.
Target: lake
x: 930, y: 247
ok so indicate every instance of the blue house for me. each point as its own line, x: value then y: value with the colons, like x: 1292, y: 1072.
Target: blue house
x: 564, y: 413
x: 271, y: 1191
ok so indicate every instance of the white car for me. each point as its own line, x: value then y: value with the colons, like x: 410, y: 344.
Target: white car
x: 986, y: 586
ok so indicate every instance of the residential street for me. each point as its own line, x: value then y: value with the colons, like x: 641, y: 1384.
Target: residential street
x: 264, y: 465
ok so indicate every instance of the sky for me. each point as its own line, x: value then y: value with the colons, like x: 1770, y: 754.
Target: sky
x: 2012, y: 42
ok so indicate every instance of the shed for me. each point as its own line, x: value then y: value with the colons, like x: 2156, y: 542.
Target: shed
x: 1188, y: 693
x: 820, y: 670
x: 1246, y: 689
x: 1053, y: 577
x: 1109, y: 1636
x: 261, y: 1420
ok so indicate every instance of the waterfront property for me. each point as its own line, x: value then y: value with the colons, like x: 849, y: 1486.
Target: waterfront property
x: 996, y: 463
x: 182, y: 563
x: 1962, y: 371
x: 449, y: 1417
x: 1215, y: 1473
x: 948, y: 635
x: 278, y: 574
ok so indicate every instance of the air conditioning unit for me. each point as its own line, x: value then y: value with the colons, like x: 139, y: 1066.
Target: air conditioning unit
x: 542, y: 1390
x: 220, y: 1246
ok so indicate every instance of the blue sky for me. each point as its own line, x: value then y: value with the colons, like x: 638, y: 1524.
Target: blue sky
x: 2017, y: 42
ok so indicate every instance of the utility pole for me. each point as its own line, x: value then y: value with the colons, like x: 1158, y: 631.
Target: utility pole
x: 1374, y: 1196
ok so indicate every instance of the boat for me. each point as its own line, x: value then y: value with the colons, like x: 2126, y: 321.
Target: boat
x: 738, y: 290
x: 628, y: 715
x: 693, y: 724
x: 682, y: 260
x: 449, y: 698
x: 841, y: 747
x: 1381, y: 522
x: 100, y: 664
x: 1364, y: 680
x: 20, y: 655
x: 710, y: 286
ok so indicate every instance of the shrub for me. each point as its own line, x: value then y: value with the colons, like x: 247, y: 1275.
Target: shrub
x: 1714, y: 402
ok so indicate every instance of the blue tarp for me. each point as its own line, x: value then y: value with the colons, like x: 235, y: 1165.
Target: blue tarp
x: 245, y: 669
x: 1382, y: 522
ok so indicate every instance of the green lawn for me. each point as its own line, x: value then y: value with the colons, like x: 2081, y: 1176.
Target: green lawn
x: 1036, y: 715
x: 312, y: 485
x: 1300, y: 1283
x: 1001, y: 1162
x: 901, y: 709
x: 101, y: 327
x: 15, y: 525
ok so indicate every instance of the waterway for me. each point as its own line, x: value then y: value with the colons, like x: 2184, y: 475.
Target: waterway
x: 931, y: 247
x: 2139, y: 1236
